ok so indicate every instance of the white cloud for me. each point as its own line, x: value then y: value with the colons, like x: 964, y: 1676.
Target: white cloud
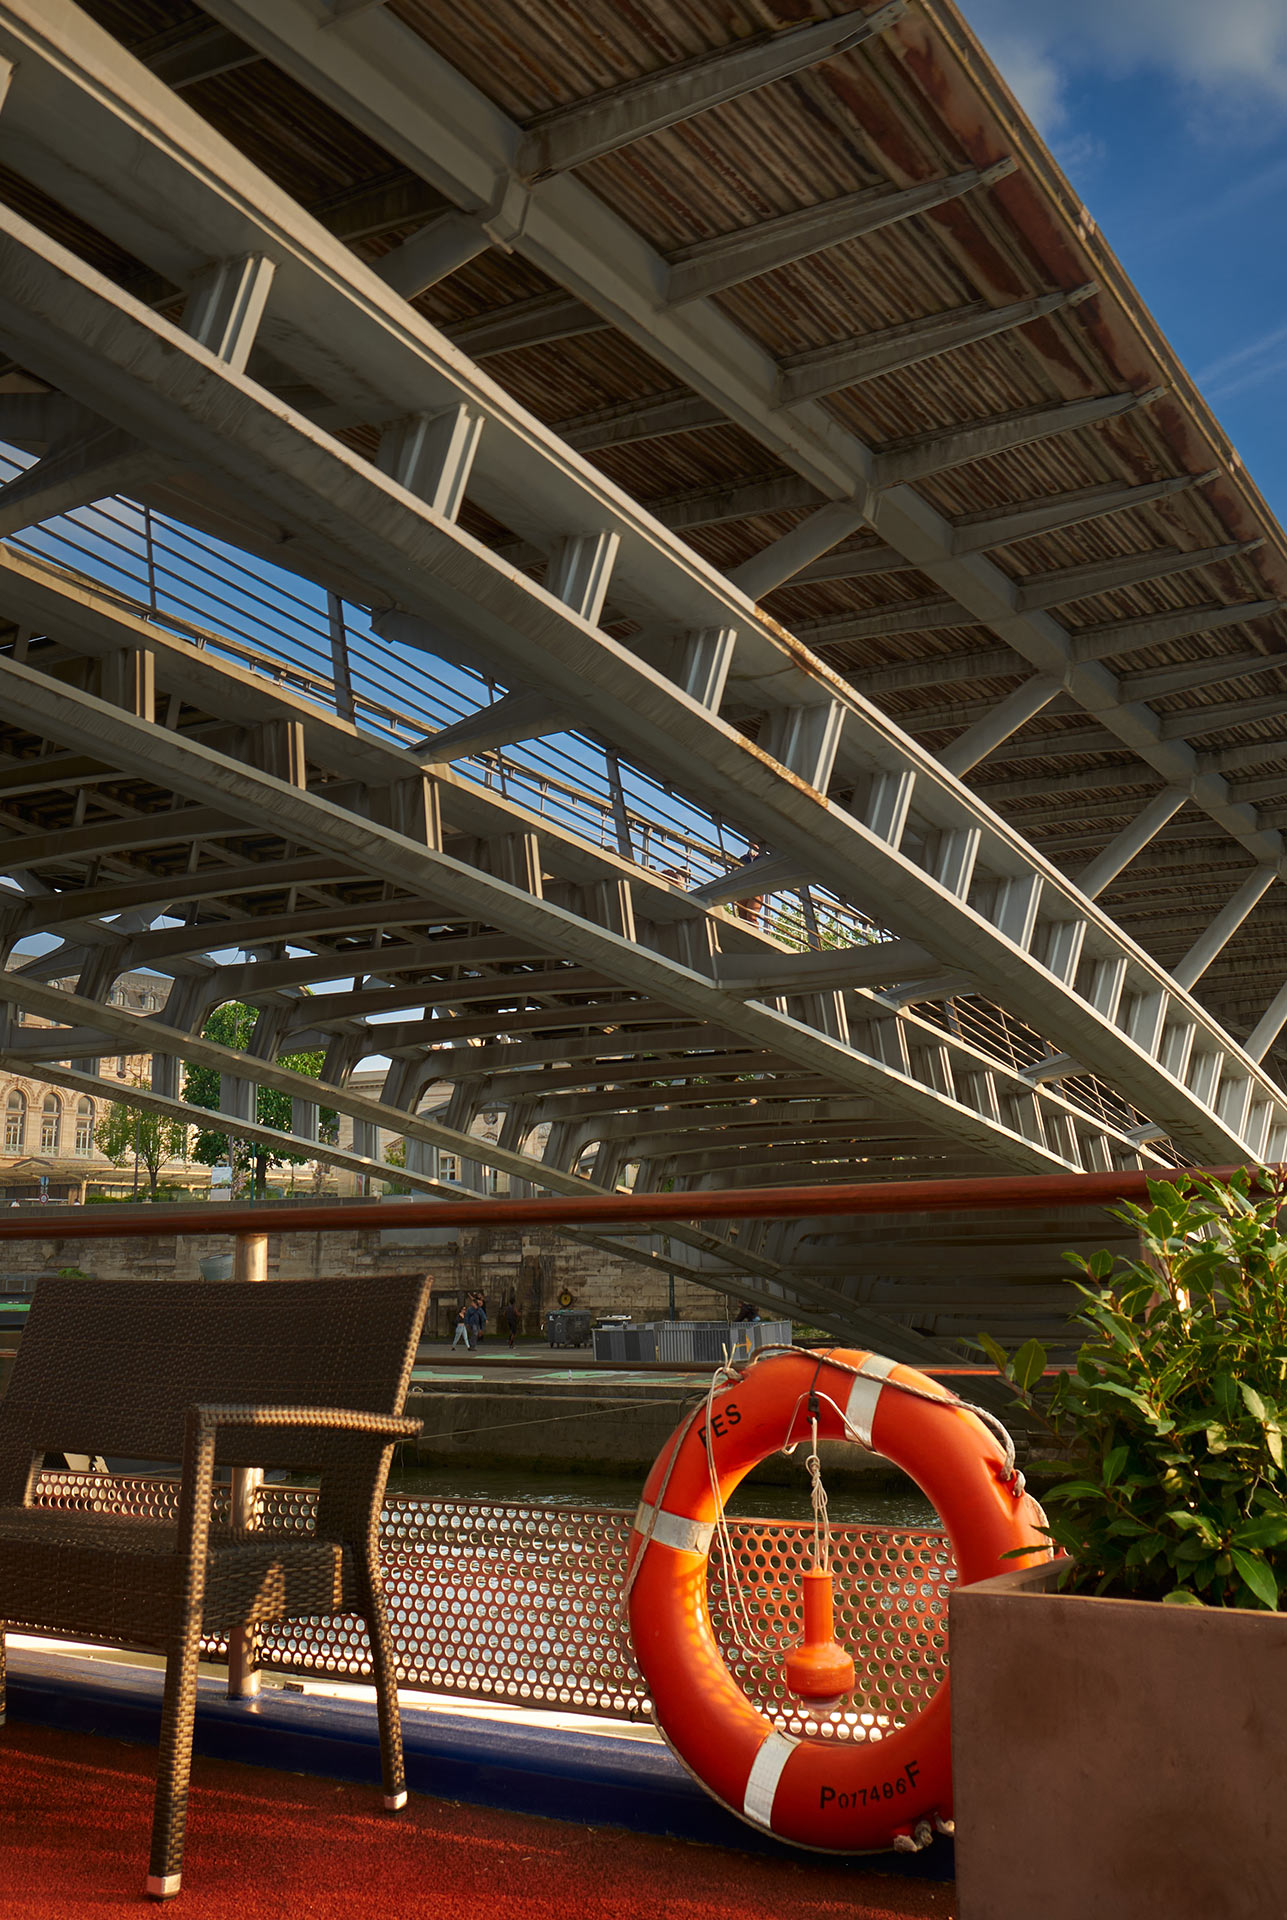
x: 1261, y: 359
x: 1230, y: 51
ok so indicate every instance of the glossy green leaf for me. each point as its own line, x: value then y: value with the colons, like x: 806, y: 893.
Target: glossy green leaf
x: 1258, y: 1576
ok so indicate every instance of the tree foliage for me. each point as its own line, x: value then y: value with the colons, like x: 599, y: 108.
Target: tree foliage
x: 232, y: 1025
x: 1175, y: 1413
x: 125, y: 1131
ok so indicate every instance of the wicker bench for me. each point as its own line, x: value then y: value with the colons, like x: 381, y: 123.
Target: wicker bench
x: 305, y: 1374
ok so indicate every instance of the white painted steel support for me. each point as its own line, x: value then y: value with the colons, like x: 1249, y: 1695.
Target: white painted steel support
x: 439, y: 248
x: 1222, y: 929
x: 828, y: 369
x: 793, y: 551
x: 1268, y: 1027
x: 74, y: 473
x: 340, y: 674
x: 432, y: 455
x: 929, y: 453
x: 1132, y: 840
x: 580, y: 572
x: 709, y: 266
x: 400, y: 558
x: 987, y: 734
x: 806, y: 740
x: 569, y: 136
x: 403, y: 94
x: 978, y: 532
x: 226, y: 305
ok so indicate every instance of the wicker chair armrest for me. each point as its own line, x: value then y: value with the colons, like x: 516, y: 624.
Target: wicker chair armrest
x: 389, y: 1426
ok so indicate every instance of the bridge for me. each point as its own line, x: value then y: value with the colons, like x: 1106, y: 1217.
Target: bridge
x: 654, y: 572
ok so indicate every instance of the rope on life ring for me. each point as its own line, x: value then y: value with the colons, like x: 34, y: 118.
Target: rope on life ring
x: 886, y: 1792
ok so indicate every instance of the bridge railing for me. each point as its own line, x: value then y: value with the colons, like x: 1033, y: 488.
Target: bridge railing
x: 277, y: 624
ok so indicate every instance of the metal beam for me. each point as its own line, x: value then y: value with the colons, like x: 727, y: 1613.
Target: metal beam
x: 185, y: 55
x: 514, y: 717
x: 769, y: 873
x: 1222, y: 929
x: 1038, y: 590
x: 1158, y: 683
x: 712, y: 266
x: 509, y: 611
x: 922, y: 454
x: 1223, y: 713
x: 881, y: 964
x: 977, y: 532
x: 74, y: 473
x: 747, y: 500
x: 390, y: 82
x: 445, y: 243
x: 823, y: 370
x: 996, y: 726
x: 568, y: 137
x: 675, y: 411
x: 1155, y: 630
x: 795, y: 555
x: 537, y: 322
x: 1268, y: 1027
x: 1132, y: 840
x: 899, y: 616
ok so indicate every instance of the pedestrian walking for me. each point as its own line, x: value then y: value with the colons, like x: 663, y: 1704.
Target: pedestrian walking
x: 461, y: 1335
x: 475, y: 1319
x: 511, y: 1320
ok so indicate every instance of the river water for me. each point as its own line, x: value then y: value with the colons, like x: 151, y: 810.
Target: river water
x: 883, y: 1503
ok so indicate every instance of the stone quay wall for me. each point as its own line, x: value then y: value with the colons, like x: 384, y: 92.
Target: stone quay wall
x: 537, y: 1266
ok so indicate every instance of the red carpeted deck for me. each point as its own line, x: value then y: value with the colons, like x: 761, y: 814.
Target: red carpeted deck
x: 75, y: 1812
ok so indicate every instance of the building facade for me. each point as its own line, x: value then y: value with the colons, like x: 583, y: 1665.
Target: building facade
x: 48, y: 1150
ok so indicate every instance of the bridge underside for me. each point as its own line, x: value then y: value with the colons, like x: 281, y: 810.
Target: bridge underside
x: 797, y: 701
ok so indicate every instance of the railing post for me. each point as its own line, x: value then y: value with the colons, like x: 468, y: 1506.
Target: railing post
x: 249, y: 1262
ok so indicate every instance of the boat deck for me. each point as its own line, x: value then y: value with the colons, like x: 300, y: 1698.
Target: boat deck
x: 305, y: 1836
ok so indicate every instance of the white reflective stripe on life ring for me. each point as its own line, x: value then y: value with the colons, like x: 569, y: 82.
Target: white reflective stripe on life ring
x: 762, y: 1781
x: 864, y: 1395
x: 673, y: 1529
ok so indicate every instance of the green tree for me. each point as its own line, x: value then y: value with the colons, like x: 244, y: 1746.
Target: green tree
x: 125, y: 1132
x: 231, y: 1025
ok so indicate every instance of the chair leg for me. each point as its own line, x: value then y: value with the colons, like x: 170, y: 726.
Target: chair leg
x: 174, y: 1766
x: 384, y: 1672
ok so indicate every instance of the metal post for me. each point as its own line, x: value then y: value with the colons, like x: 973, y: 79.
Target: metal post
x: 341, y: 676
x: 249, y: 1262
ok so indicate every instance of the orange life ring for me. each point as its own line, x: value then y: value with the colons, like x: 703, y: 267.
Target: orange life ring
x: 840, y: 1797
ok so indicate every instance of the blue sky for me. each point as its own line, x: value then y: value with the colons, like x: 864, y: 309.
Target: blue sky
x: 1170, y: 119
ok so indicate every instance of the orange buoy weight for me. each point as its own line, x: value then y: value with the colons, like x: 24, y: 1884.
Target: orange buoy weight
x: 817, y: 1669
x: 887, y: 1785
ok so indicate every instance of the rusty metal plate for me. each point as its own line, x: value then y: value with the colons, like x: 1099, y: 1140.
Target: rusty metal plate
x: 495, y: 1600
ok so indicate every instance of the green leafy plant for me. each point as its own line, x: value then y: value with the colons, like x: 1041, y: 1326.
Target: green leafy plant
x: 1173, y: 1418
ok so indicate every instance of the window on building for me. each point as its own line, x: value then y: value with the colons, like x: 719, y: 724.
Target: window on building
x: 15, y: 1121
x: 123, y: 1066
x: 51, y: 1114
x: 84, y: 1125
x: 448, y: 1167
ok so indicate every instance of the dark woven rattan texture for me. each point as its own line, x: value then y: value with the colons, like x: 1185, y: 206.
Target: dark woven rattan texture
x: 310, y: 1375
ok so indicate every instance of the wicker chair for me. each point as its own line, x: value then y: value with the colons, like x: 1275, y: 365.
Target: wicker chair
x: 306, y: 1374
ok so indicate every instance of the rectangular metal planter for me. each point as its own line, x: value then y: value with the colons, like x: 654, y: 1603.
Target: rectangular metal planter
x: 1116, y: 1759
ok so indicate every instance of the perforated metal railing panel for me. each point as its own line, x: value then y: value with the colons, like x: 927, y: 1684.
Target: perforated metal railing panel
x: 493, y: 1600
